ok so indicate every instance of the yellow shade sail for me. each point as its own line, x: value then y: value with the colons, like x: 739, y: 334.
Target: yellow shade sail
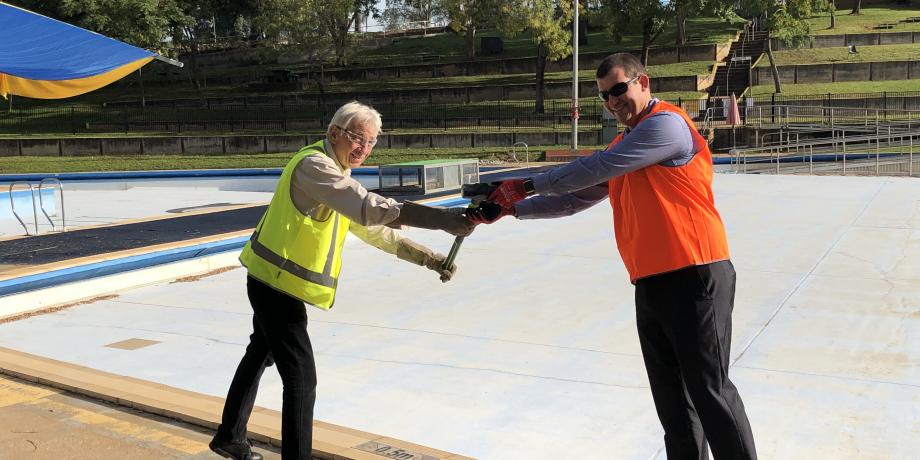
x: 58, y: 89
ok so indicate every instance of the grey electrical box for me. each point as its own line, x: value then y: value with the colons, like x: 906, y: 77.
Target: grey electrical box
x: 491, y: 45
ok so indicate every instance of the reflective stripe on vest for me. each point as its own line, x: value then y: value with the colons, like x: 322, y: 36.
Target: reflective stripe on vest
x: 323, y: 279
x: 664, y: 216
x: 295, y: 253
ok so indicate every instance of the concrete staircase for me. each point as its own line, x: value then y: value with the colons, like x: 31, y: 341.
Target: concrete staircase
x: 733, y: 75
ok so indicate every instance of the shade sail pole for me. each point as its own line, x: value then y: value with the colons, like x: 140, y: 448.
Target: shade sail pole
x: 168, y: 60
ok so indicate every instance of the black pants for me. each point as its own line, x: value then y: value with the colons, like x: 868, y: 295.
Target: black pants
x: 280, y: 336
x: 685, y: 328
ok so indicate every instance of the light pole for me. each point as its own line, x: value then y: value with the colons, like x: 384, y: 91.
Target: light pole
x: 575, y: 81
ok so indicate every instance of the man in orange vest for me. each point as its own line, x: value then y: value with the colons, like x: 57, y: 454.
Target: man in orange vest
x: 657, y: 175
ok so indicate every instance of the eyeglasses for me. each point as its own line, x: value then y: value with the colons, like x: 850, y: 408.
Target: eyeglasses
x: 359, y: 139
x: 617, y: 89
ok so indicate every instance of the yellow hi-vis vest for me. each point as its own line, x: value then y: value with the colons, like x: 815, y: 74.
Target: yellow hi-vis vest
x: 295, y: 253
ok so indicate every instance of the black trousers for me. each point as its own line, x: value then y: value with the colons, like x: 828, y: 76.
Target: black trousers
x: 280, y: 336
x: 685, y: 328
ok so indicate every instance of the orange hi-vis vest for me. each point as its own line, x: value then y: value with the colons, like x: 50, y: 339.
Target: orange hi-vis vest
x: 664, y: 217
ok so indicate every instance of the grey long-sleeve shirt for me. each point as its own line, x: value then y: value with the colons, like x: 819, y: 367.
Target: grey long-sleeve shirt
x: 663, y: 138
x: 320, y: 185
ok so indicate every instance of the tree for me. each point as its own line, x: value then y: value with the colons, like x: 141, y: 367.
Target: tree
x: 200, y: 28
x: 313, y: 24
x: 143, y: 23
x: 364, y: 9
x: 398, y: 13
x: 786, y: 22
x: 650, y: 16
x: 50, y: 8
x: 221, y: 18
x: 334, y: 18
x: 468, y: 16
x: 188, y: 35
x: 242, y: 28
x: 550, y: 25
x: 683, y: 10
x: 857, y: 7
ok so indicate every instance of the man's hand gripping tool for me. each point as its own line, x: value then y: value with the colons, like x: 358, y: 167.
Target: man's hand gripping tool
x: 477, y: 193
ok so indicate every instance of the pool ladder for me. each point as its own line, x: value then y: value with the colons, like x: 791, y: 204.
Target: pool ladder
x: 50, y: 182
x: 526, y: 153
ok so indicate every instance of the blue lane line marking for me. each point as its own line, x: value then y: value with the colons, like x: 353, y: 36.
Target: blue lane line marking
x: 110, y: 267
x: 189, y: 174
x: 121, y: 175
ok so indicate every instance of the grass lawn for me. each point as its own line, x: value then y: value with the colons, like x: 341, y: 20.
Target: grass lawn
x: 878, y: 53
x: 22, y: 165
x: 122, y: 92
x: 673, y: 96
x: 132, y: 93
x: 405, y: 50
x: 450, y: 47
x: 871, y: 16
x: 677, y: 69
x: 819, y: 89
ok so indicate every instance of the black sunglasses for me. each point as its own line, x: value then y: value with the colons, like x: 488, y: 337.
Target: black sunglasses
x: 617, y: 89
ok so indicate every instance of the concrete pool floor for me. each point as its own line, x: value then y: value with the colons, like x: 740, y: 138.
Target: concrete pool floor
x: 531, y: 351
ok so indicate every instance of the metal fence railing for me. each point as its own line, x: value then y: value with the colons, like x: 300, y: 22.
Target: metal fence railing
x: 830, y: 117
x: 888, y: 153
x: 266, y: 114
x: 251, y: 118
x: 502, y: 116
x: 862, y: 104
x: 885, y: 100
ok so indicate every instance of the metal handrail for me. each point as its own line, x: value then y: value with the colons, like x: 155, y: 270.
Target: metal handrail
x: 708, y: 115
x: 740, y: 157
x: 836, y: 131
x: 782, y: 115
x: 60, y: 186
x: 831, y: 142
x: 526, y: 153
x: 34, y: 209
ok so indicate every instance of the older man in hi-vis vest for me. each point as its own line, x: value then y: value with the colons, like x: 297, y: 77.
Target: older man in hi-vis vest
x: 294, y: 258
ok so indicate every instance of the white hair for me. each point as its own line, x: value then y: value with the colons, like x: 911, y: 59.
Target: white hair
x: 354, y: 111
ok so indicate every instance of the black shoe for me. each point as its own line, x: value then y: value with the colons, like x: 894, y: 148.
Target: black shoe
x: 234, y: 450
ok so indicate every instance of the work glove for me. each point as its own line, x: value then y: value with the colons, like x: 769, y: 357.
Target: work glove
x: 488, y: 212
x: 511, y: 191
x: 411, y: 251
x: 451, y: 220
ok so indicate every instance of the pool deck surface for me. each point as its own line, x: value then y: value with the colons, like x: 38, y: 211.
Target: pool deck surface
x: 37, y: 422
x: 531, y: 351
